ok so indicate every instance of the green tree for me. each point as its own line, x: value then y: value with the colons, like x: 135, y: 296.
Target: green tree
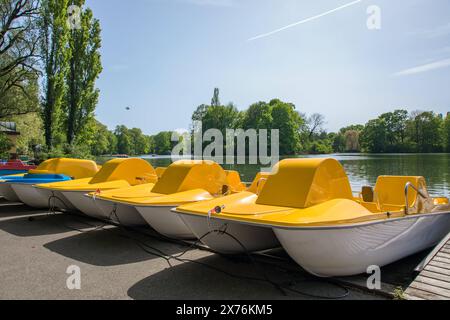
x: 373, y: 137
x: 215, y: 101
x: 163, y: 143
x: 426, y: 131
x: 352, y: 143
x: 221, y: 118
x: 258, y: 116
x: 55, y: 52
x: 338, y: 142
x: 124, y: 141
x: 18, y: 57
x: 102, y: 140
x: 5, y: 146
x: 84, y: 69
x: 31, y: 134
x: 396, y: 124
x: 289, y: 122
x: 140, y: 144
x: 446, y: 131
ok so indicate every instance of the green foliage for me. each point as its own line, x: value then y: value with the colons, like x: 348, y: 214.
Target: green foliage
x: 446, y: 133
x: 31, y: 133
x: 289, y: 122
x: 84, y: 69
x: 18, y: 57
x: 163, y: 143
x: 55, y: 52
x: 124, y: 143
x: 130, y: 141
x: 139, y: 142
x: 102, y: 138
x: 258, y: 116
x: 22, y: 97
x: 5, y: 146
x: 321, y: 147
x: 426, y: 132
x: 399, y: 132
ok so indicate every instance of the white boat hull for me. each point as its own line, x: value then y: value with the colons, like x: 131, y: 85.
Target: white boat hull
x: 7, y: 192
x: 84, y: 204
x: 166, y: 222
x: 244, y: 238
x: 58, y: 199
x: 30, y: 196
x: 346, y: 251
x: 126, y: 215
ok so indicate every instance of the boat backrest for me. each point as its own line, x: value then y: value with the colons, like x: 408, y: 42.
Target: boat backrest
x: 160, y: 171
x: 390, y: 190
x: 302, y: 183
x: 187, y: 175
x: 134, y: 170
x: 259, y: 180
x: 234, y: 181
x: 74, y: 168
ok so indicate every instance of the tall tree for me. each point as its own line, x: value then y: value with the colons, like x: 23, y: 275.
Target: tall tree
x: 447, y: 132
x: 215, y: 101
x: 373, y: 137
x: 55, y: 51
x: 18, y: 57
x: 315, y: 124
x: 289, y: 122
x: 84, y: 69
x: 124, y: 142
x: 426, y: 131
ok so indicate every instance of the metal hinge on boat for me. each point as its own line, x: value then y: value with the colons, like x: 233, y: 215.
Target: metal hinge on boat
x: 419, y: 192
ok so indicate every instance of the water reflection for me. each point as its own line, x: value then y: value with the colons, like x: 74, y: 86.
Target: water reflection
x: 364, y: 169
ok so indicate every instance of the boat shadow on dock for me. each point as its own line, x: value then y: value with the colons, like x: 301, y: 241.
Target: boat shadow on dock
x: 109, y: 246
x: 200, y: 279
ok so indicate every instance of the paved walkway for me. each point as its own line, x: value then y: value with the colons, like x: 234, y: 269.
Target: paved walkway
x: 35, y: 255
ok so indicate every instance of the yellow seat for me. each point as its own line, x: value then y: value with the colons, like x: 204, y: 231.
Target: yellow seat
x: 74, y: 168
x: 234, y: 182
x: 115, y: 174
x: 389, y: 192
x: 303, y: 183
x: 260, y: 178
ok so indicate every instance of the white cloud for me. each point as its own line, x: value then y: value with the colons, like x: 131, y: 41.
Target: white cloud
x: 305, y: 20
x: 439, y: 31
x: 424, y: 68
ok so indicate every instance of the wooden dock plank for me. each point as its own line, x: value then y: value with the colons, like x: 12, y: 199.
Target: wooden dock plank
x: 433, y: 282
x: 431, y: 289
x: 442, y: 260
x: 436, y: 275
x: 440, y: 265
x: 438, y: 270
x: 417, y: 294
x: 443, y: 255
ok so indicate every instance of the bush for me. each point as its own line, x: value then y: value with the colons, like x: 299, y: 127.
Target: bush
x: 5, y: 146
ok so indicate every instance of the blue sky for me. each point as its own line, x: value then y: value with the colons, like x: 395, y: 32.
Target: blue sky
x: 163, y: 58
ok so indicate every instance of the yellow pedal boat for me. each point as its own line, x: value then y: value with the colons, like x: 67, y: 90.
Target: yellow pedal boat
x: 115, y: 174
x: 309, y: 205
x: 109, y: 207
x: 182, y: 182
x: 59, y: 169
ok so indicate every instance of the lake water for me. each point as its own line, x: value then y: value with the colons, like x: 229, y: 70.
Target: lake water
x: 364, y: 169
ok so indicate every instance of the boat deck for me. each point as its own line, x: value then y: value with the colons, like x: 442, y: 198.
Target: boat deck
x: 433, y: 282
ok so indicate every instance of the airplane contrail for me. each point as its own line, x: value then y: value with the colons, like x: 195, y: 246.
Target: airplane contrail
x: 305, y: 20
